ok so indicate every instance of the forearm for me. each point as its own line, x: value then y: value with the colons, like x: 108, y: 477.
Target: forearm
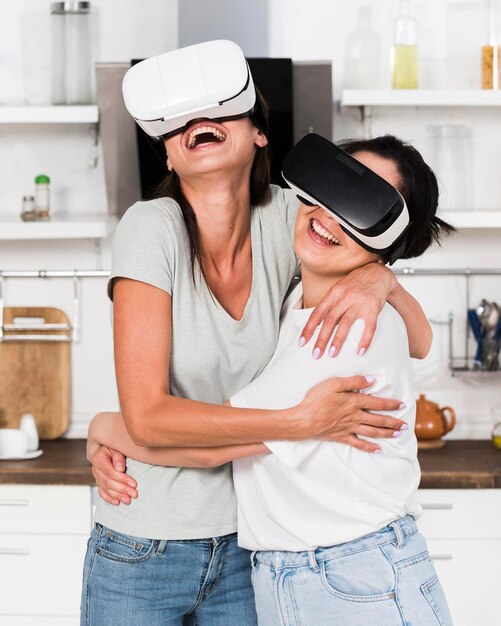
x: 418, y: 328
x: 178, y: 422
x: 108, y: 429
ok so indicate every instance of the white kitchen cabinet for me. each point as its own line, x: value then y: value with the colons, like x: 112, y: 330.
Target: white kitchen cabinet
x: 463, y: 530
x: 43, y: 537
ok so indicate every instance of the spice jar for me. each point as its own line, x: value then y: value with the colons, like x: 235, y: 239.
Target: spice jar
x: 42, y: 197
x: 28, y: 213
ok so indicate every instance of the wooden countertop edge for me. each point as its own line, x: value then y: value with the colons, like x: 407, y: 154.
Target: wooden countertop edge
x: 462, y: 465
x: 459, y: 480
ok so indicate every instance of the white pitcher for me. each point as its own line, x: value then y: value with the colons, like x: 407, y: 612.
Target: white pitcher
x: 29, y: 426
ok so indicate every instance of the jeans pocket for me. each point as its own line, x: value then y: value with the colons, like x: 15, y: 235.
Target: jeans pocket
x: 339, y: 577
x: 433, y: 592
x: 116, y: 546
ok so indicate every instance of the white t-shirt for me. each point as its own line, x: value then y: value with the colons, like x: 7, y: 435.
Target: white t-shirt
x: 314, y: 493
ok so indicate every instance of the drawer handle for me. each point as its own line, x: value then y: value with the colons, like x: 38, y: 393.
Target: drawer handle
x: 437, y: 506
x: 441, y: 557
x: 14, y: 502
x: 22, y: 551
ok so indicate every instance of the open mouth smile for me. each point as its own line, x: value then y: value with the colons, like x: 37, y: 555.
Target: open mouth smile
x: 322, y: 235
x: 204, y: 134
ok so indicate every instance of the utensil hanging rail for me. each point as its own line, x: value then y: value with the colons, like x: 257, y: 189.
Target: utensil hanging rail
x: 72, y: 330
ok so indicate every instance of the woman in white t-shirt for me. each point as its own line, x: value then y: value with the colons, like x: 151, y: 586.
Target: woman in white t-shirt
x: 331, y: 527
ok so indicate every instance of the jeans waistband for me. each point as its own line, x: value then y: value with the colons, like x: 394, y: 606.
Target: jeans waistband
x: 397, y: 532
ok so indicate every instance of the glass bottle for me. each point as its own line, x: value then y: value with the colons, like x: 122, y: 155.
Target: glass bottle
x: 362, y: 54
x: 491, y: 53
x: 404, y: 55
x: 71, y: 53
x: 42, y: 197
x: 496, y: 429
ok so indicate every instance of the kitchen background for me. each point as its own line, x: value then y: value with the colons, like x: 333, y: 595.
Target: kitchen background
x: 451, y: 34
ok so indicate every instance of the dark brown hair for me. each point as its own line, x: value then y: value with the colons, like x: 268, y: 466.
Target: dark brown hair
x: 259, y: 185
x: 418, y: 186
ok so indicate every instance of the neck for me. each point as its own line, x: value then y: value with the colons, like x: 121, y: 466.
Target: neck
x: 222, y: 209
x: 315, y: 286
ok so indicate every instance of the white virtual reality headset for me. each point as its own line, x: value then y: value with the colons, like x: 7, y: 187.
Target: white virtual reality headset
x: 369, y: 210
x: 208, y: 80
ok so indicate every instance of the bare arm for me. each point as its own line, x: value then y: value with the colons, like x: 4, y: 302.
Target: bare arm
x: 108, y: 429
x: 361, y: 295
x: 153, y: 417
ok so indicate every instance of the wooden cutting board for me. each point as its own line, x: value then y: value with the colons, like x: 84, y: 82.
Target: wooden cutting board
x: 35, y: 376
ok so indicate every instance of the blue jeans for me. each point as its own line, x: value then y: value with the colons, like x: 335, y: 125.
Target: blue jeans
x: 131, y: 581
x: 385, y: 578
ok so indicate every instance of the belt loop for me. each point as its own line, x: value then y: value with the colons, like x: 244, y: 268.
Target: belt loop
x: 162, y: 544
x: 398, y: 533
x: 313, y: 561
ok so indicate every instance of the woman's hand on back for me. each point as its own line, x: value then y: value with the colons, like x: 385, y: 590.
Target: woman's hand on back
x: 108, y: 469
x: 361, y: 294
x: 337, y: 412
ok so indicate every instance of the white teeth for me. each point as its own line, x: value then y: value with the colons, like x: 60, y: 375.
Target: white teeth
x: 323, y: 233
x: 204, y: 129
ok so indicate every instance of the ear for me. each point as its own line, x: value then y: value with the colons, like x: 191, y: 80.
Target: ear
x: 261, y: 140
x: 169, y: 165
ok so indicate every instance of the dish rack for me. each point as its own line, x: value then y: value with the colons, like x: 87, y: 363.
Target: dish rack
x: 465, y: 366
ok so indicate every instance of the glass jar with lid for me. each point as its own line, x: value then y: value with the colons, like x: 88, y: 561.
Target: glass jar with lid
x: 71, y: 53
x: 496, y: 428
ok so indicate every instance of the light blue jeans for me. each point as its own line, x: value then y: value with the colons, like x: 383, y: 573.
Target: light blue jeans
x: 131, y: 581
x: 383, y: 579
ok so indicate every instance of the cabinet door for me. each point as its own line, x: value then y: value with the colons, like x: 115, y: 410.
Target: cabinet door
x: 470, y: 572
x: 41, y: 574
x: 45, y: 509
x: 460, y: 513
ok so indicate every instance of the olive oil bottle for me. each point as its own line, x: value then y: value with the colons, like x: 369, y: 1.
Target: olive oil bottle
x: 404, y: 53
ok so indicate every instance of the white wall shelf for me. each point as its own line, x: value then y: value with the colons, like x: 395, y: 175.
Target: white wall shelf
x: 75, y: 114
x: 472, y: 219
x: 59, y: 227
x: 421, y: 97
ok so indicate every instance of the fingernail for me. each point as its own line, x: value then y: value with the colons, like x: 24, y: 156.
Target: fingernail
x: 124, y: 500
x: 370, y: 379
x: 402, y: 406
x: 132, y: 494
x: 115, y: 502
x: 131, y: 484
x: 332, y: 350
x: 361, y: 352
x: 404, y: 427
x: 316, y: 353
x: 119, y: 467
x: 301, y: 342
x: 397, y: 433
x: 378, y: 451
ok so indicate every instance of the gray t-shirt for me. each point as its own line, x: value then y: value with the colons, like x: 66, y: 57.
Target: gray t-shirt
x: 212, y: 356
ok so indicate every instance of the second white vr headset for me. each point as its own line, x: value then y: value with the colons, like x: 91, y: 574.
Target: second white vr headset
x: 369, y: 210
x: 208, y: 80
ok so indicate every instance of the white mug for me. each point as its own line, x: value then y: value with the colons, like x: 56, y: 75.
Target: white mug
x: 13, y: 442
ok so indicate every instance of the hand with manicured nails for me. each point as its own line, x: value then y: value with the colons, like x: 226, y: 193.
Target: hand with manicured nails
x: 361, y: 294
x: 114, y: 485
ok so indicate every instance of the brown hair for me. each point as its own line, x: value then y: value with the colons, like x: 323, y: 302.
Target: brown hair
x: 259, y: 185
x: 418, y: 186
